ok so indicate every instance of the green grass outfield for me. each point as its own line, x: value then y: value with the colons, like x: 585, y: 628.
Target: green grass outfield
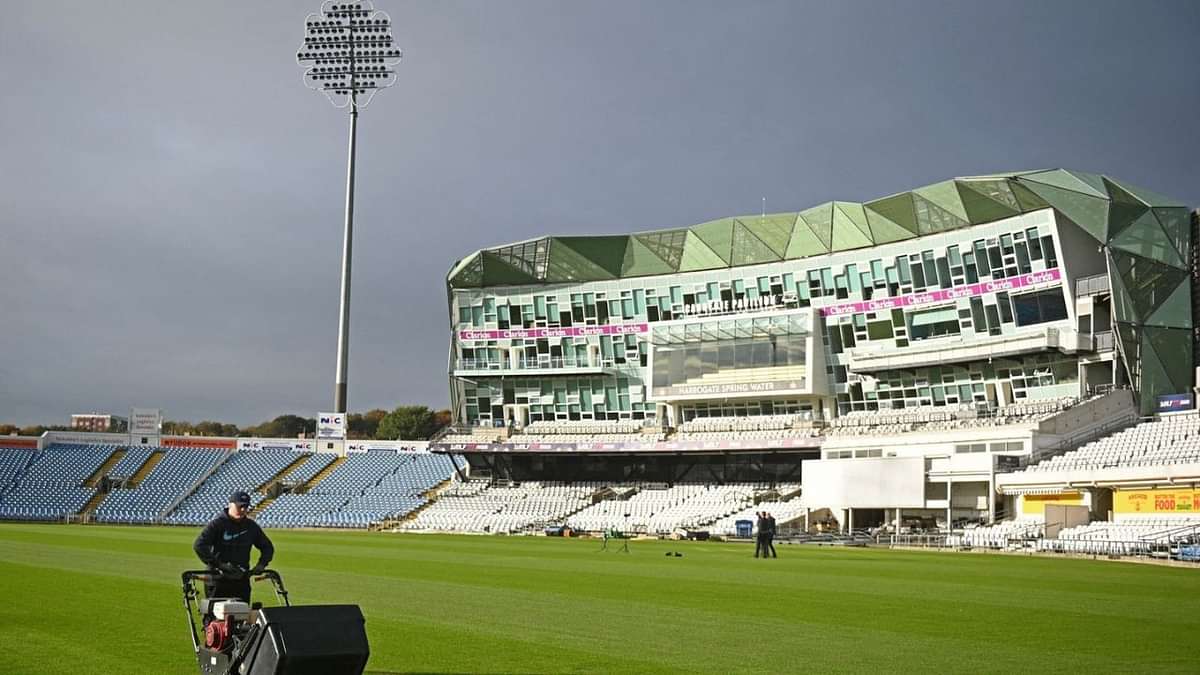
x: 87, y: 599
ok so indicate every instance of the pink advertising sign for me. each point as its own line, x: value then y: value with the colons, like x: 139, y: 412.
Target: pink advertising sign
x: 943, y: 295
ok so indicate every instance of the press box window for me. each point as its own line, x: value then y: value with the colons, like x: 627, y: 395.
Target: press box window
x: 1040, y: 307
x: 933, y: 323
x: 879, y: 330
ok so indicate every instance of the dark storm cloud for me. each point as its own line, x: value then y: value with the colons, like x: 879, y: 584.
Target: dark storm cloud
x: 171, y: 195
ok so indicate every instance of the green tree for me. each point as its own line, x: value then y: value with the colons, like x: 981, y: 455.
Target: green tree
x: 210, y: 428
x: 8, y: 429
x: 291, y: 426
x: 360, y: 426
x: 177, y: 427
x: 407, y: 422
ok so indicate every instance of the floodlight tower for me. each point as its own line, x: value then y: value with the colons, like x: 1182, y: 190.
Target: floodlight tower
x: 349, y: 55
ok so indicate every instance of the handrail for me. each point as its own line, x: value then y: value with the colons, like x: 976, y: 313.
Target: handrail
x: 1192, y: 528
x: 1075, y: 442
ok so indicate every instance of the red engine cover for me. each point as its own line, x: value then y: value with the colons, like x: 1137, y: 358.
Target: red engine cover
x: 218, y: 635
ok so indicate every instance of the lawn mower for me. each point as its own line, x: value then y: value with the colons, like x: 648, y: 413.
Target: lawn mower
x: 238, y: 638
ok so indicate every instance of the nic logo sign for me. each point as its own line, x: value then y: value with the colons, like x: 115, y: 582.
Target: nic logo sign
x: 331, y: 426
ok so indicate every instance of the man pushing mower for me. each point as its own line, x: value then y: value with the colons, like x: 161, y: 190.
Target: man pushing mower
x: 224, y: 546
x: 240, y: 638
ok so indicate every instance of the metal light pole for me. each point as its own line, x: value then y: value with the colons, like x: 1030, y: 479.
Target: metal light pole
x: 349, y: 55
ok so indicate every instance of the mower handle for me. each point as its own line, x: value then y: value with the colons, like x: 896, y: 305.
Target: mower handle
x: 191, y: 595
x: 212, y: 575
x: 190, y: 576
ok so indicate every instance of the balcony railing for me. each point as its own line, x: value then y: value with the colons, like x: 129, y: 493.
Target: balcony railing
x: 1097, y: 284
x: 552, y: 363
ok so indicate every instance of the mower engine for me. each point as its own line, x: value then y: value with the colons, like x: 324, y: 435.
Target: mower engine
x: 230, y: 615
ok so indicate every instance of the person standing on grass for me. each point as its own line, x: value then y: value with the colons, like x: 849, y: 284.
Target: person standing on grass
x: 770, y: 536
x: 224, y: 546
x: 760, y: 538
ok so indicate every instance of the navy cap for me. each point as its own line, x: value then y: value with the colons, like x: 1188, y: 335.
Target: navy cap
x: 240, y: 498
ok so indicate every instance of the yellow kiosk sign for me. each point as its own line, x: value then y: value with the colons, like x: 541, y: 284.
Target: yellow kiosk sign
x: 1036, y: 504
x: 1156, y: 501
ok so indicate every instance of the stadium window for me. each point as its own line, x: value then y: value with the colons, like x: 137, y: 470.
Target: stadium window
x: 969, y: 269
x: 977, y: 318
x: 943, y: 271
x: 841, y: 288
x: 930, y: 268
x: 1048, y: 252
x: 981, y: 258
x: 1005, y: 307
x: 853, y: 278
x: 1039, y: 307
x: 933, y: 323
x: 1006, y: 244
x: 1023, y: 264
x: 835, y: 339
x: 995, y: 259
x: 847, y: 335
x: 1035, y: 247
x: 993, y: 318
x: 879, y: 330
x: 826, y: 280
x: 918, y: 276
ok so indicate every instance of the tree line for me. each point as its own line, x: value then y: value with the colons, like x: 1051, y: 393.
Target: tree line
x: 406, y: 422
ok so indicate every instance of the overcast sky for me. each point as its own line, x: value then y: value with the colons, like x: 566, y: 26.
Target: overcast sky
x: 171, y: 194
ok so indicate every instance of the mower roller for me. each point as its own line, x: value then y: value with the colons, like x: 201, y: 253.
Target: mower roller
x: 237, y: 638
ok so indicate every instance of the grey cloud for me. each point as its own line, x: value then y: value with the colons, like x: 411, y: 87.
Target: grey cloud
x: 171, y: 195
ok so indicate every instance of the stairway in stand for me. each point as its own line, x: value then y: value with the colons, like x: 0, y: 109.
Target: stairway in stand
x: 262, y: 506
x: 322, y: 475
x: 92, y: 504
x: 94, y: 479
x: 431, y: 495
x: 262, y: 489
x: 146, y: 467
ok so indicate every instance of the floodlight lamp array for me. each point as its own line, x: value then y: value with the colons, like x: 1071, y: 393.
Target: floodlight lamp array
x: 348, y: 52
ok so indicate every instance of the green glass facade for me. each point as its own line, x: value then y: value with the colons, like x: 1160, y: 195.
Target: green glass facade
x: 928, y: 248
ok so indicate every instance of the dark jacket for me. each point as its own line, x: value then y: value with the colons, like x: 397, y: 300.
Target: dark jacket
x: 763, y: 528
x: 225, y: 540
x: 771, y: 526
